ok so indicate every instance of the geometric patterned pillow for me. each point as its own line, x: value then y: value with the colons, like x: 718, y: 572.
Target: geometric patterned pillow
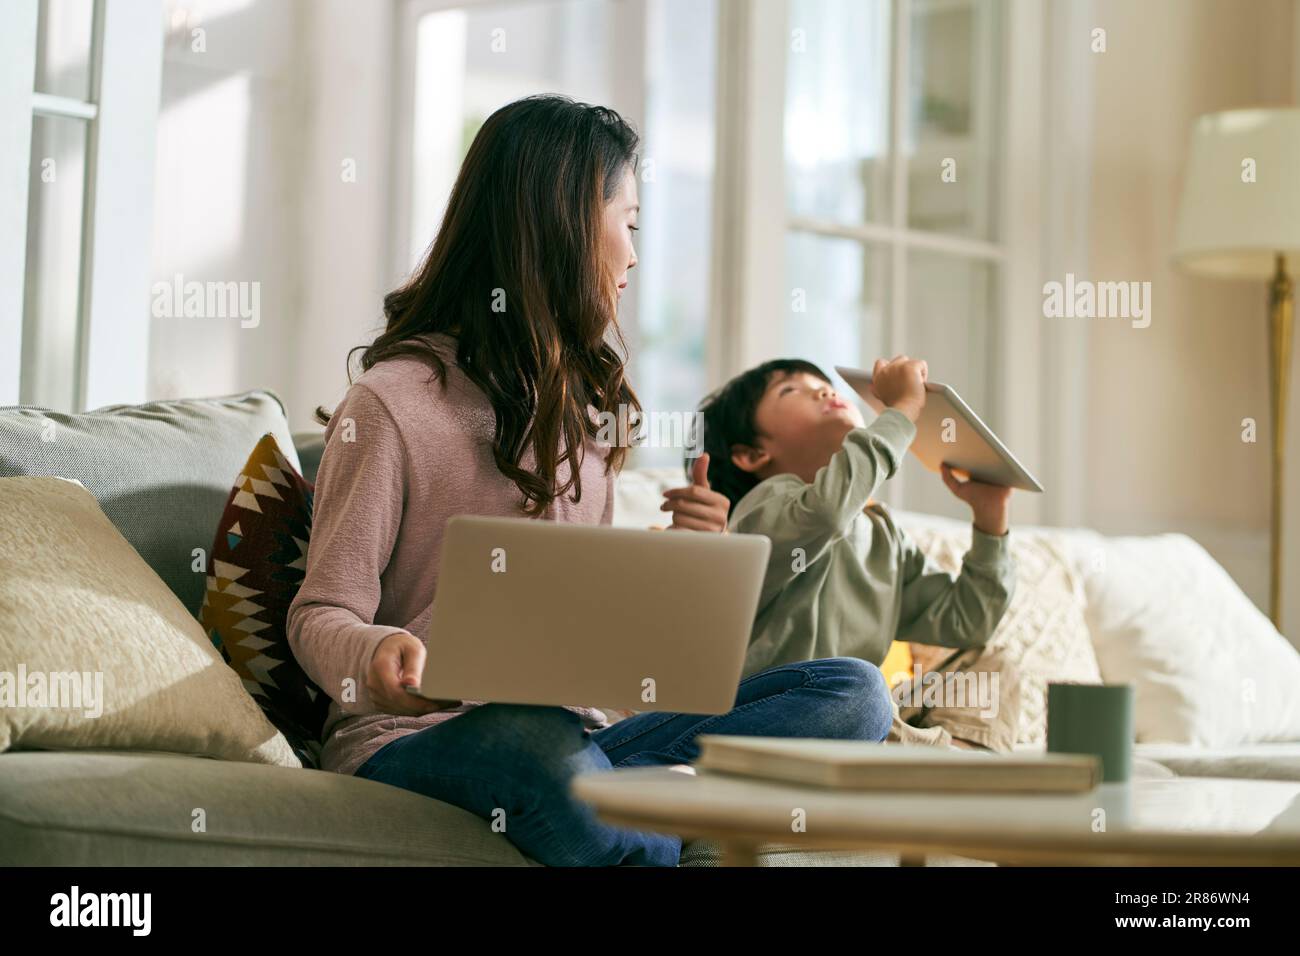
x: 255, y: 568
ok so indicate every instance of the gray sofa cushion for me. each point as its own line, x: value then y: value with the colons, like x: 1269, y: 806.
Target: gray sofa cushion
x: 161, y: 471
x: 310, y: 446
x: 131, y: 808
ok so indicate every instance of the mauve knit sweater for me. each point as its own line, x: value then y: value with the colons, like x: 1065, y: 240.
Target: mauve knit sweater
x: 401, y: 457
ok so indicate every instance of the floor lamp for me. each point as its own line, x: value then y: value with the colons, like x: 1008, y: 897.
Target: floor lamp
x: 1240, y: 219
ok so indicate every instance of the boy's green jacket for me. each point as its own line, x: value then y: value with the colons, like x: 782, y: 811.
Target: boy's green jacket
x: 844, y: 580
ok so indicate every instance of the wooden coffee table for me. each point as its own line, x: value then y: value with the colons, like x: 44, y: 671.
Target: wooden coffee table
x: 1149, y: 821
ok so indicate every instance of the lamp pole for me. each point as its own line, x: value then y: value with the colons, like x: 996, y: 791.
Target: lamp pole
x: 1281, y: 310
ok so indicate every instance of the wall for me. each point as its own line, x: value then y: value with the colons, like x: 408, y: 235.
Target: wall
x: 343, y: 230
x: 252, y: 186
x: 229, y: 165
x: 1163, y: 448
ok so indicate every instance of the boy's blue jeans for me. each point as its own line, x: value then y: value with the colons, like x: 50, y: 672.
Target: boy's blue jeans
x: 514, y: 762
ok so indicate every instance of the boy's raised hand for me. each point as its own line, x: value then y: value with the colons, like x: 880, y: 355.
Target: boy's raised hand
x: 696, y: 506
x: 989, y: 504
x: 900, y: 384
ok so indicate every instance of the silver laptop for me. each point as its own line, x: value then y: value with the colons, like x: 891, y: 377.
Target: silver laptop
x: 541, y: 612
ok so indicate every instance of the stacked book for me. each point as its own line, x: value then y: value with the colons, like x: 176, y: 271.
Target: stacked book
x: 860, y: 765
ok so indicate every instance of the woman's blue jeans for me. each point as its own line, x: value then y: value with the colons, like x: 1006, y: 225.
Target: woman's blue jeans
x: 514, y: 762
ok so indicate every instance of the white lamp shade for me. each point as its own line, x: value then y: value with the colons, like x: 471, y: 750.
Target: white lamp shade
x: 1227, y: 225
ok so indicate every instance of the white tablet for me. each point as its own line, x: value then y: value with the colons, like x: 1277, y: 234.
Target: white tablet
x: 948, y: 432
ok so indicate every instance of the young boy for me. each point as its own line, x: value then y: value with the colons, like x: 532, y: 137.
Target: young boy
x: 799, y: 466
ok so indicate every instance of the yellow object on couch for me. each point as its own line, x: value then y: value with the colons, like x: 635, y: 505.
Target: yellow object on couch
x: 897, y: 664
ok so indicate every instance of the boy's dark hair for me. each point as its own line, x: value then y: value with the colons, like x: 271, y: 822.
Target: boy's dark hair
x: 728, y: 415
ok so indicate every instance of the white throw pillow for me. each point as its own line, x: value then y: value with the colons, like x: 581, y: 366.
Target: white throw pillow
x: 1208, y: 667
x: 97, y: 652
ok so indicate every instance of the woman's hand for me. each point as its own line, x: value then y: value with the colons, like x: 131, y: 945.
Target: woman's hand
x: 398, y: 662
x: 697, y: 506
x: 989, y: 504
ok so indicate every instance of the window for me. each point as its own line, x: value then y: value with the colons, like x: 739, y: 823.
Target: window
x: 892, y: 132
x: 62, y: 110
x: 79, y: 88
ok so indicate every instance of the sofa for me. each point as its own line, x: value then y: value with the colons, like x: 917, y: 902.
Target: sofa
x: 161, y: 472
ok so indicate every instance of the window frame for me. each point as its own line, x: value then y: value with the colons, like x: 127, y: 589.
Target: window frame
x: 111, y: 349
x: 18, y: 23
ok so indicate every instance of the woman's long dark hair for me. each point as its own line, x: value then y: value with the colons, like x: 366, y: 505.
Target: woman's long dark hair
x: 516, y: 275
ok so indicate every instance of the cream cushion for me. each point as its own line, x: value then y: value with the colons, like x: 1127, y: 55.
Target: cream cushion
x: 128, y: 667
x: 1042, y: 638
x: 1208, y: 667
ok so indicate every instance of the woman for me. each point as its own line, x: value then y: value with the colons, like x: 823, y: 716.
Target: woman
x: 482, y: 396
